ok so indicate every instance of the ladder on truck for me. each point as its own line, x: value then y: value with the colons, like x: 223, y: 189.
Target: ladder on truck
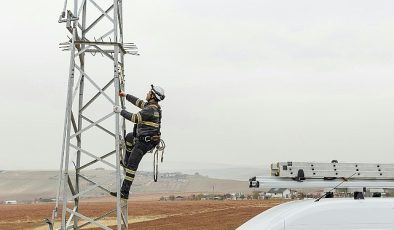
x: 295, y: 175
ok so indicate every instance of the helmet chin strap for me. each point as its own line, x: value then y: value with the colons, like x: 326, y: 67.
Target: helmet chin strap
x: 152, y: 97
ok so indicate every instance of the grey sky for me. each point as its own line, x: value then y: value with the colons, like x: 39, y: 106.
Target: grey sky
x: 247, y: 82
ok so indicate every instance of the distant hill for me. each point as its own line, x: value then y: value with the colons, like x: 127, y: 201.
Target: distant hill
x: 31, y: 185
x: 241, y: 174
x: 212, y: 170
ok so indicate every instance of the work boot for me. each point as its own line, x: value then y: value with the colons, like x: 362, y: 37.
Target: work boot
x: 122, y: 195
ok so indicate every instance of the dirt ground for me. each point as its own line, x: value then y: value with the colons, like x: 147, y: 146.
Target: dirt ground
x: 160, y: 215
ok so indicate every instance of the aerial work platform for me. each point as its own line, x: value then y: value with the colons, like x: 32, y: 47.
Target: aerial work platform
x: 326, y: 175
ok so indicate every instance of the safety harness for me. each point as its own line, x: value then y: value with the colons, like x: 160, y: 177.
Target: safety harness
x: 158, y: 148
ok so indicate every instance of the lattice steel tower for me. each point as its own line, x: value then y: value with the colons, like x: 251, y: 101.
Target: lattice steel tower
x: 93, y: 133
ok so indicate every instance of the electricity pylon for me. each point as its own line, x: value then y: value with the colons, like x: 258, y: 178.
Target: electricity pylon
x: 89, y: 137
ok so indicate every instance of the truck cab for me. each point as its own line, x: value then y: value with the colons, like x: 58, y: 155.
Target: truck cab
x: 326, y: 214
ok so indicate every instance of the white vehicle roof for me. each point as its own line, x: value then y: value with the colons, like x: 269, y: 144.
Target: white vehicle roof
x: 326, y: 214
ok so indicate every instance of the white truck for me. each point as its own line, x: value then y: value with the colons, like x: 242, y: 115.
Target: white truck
x: 327, y: 213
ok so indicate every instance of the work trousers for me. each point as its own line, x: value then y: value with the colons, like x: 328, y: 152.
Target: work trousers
x: 135, y: 150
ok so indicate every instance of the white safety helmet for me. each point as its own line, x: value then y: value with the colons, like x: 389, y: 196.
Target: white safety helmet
x: 158, y: 92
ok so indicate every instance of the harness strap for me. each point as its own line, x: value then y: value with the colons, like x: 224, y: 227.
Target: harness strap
x: 159, y: 148
x: 149, y: 138
x: 149, y: 123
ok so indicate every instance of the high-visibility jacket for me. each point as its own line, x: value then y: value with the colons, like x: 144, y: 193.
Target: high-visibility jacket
x: 148, y: 120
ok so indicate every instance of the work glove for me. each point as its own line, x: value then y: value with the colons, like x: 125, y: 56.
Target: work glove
x: 117, y: 109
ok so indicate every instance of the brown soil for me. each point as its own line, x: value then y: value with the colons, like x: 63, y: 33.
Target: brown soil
x: 163, y: 215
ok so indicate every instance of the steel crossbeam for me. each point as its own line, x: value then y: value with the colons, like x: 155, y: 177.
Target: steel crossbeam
x: 98, y: 19
x: 94, y: 161
x: 78, y: 19
x: 94, y: 186
x: 98, y: 126
x: 71, y: 217
x: 92, y: 182
x: 101, y: 10
x: 101, y: 217
x: 93, y: 156
x: 92, y: 125
x: 95, y: 85
x: 87, y: 219
x: 96, y: 96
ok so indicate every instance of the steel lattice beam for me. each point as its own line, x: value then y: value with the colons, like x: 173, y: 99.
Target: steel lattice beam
x: 110, y: 44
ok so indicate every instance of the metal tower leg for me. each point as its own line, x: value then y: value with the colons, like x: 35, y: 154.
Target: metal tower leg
x: 101, y: 34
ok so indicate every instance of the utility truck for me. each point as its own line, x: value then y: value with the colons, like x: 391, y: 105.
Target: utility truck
x: 327, y: 212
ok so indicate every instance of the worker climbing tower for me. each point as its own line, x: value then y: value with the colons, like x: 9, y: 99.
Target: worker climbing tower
x: 93, y: 133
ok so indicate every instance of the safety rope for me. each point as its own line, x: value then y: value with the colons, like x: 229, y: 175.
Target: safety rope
x: 159, y: 148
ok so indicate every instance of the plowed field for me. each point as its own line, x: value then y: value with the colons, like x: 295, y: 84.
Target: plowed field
x: 163, y: 215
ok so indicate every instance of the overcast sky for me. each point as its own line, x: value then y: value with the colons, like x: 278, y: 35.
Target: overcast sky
x: 247, y: 82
